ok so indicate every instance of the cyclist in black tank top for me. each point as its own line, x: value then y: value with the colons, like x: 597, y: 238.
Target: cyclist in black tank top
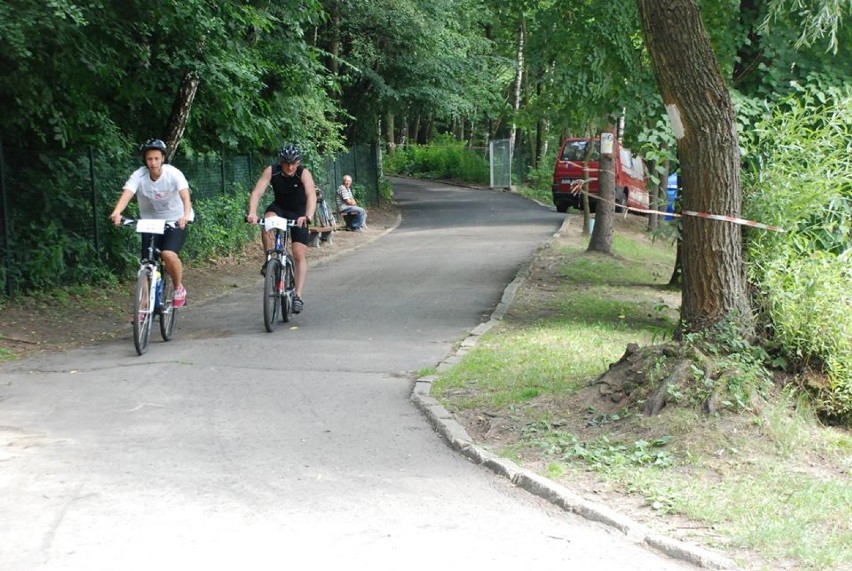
x: 296, y: 198
x: 289, y: 190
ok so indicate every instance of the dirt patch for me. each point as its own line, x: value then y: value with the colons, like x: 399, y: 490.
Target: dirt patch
x: 64, y: 320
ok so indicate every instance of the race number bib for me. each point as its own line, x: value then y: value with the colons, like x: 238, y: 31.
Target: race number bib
x: 151, y: 226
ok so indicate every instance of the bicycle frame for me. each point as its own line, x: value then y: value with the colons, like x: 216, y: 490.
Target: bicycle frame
x: 279, y: 284
x: 150, y: 273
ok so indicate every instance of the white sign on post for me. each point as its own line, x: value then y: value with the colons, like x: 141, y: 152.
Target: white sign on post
x: 607, y: 142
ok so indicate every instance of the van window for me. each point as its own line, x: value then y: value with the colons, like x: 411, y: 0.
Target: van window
x: 576, y: 150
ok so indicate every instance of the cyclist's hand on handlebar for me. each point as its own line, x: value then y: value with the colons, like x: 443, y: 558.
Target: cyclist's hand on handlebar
x: 115, y: 218
x: 251, y: 219
x: 181, y: 222
x: 302, y: 221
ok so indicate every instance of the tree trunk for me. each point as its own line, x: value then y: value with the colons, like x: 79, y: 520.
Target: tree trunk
x: 403, y: 136
x: 389, y: 132
x: 519, y: 77
x: 415, y: 131
x: 605, y: 208
x: 180, y: 112
x: 334, y: 45
x: 677, y: 272
x: 587, y: 176
x: 703, y: 120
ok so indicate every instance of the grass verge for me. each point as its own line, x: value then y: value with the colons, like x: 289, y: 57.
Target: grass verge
x: 770, y: 485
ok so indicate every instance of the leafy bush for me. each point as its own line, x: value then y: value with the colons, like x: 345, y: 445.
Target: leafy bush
x: 540, y: 178
x: 445, y: 158
x: 801, y: 180
x: 220, y: 228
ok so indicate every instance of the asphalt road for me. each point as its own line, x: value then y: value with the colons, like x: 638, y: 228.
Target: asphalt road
x: 230, y: 447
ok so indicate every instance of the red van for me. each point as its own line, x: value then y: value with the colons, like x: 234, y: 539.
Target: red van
x: 630, y: 182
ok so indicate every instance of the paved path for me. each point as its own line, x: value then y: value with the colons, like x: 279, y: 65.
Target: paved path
x: 234, y: 448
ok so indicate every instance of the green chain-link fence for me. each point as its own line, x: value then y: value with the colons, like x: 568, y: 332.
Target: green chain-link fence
x: 54, y: 207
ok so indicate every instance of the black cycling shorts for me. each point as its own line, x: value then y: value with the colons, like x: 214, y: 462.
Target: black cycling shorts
x: 300, y: 235
x: 172, y: 239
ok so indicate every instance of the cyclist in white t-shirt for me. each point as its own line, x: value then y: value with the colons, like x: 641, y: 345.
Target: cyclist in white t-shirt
x: 162, y: 193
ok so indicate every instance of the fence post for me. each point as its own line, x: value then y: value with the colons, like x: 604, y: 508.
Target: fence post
x: 7, y: 254
x: 94, y: 198
x: 374, y: 160
x: 222, y: 169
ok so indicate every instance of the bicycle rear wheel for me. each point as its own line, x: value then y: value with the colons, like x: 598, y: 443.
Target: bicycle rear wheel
x: 289, y: 290
x: 143, y: 313
x: 168, y: 312
x: 271, y: 294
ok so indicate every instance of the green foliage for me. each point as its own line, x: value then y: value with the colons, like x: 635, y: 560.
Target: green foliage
x: 800, y: 178
x: 541, y: 177
x: 385, y: 190
x: 444, y: 159
x: 602, y: 454
x: 819, y: 19
x: 408, y: 57
x: 220, y: 228
x: 737, y: 371
x: 108, y: 74
x: 359, y: 192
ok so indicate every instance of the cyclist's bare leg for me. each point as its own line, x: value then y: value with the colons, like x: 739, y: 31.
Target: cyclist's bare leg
x: 174, y: 267
x: 268, y: 238
x: 299, y: 251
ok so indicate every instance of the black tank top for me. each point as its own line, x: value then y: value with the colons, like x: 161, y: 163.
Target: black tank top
x: 289, y: 190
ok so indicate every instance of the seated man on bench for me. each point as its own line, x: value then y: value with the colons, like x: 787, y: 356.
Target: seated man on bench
x: 354, y: 215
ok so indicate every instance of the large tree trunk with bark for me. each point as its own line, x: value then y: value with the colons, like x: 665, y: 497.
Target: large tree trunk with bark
x: 334, y: 44
x: 605, y: 208
x: 703, y: 120
x: 180, y: 112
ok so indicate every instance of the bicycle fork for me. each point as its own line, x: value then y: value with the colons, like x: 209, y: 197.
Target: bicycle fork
x: 153, y: 289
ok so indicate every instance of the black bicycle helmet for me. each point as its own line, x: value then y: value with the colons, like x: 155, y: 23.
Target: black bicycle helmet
x: 290, y: 153
x: 153, y: 144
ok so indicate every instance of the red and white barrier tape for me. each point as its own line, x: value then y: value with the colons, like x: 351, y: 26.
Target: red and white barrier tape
x: 577, y: 188
x: 733, y: 219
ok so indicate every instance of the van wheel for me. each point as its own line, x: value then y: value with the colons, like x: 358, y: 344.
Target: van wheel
x: 621, y: 201
x: 562, y: 207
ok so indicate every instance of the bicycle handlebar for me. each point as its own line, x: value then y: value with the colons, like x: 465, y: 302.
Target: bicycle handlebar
x: 262, y: 221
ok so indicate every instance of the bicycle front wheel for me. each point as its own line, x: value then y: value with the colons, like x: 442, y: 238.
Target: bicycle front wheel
x: 143, y: 313
x: 168, y: 312
x: 271, y: 294
x: 289, y: 290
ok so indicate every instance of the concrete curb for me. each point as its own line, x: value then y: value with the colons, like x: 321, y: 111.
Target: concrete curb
x: 459, y: 440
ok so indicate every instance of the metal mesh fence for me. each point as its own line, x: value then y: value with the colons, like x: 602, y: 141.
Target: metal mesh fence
x: 500, y: 153
x: 361, y: 163
x: 54, y: 207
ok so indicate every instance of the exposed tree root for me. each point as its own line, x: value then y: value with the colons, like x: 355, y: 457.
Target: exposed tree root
x: 652, y: 377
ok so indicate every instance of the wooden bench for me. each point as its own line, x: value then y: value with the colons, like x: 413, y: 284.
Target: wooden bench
x: 325, y: 233
x: 320, y: 234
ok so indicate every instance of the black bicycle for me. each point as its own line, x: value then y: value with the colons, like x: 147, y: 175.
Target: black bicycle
x: 155, y: 290
x: 279, y: 284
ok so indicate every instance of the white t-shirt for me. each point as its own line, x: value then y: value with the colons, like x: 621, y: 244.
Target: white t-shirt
x: 159, y: 198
